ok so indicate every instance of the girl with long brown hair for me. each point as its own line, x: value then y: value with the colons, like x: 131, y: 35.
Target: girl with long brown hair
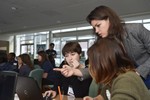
x: 111, y: 66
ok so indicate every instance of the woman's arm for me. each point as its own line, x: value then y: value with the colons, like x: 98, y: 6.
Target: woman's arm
x: 82, y: 73
x: 85, y: 73
x: 68, y: 71
x: 45, y: 75
x: 144, y: 35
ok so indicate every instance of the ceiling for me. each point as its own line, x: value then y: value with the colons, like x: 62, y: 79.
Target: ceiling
x: 17, y: 16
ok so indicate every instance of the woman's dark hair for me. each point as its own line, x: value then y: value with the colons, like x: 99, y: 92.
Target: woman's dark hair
x: 12, y: 54
x: 71, y: 47
x: 26, y: 60
x: 44, y: 56
x: 51, y: 44
x: 3, y: 57
x: 106, y: 13
x: 108, y: 59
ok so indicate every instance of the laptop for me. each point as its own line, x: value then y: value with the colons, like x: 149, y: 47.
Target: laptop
x: 8, y: 81
x: 28, y: 89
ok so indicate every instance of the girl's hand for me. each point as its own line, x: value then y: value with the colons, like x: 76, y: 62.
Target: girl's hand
x: 75, y: 64
x: 66, y: 70
x: 87, y: 98
x: 50, y: 93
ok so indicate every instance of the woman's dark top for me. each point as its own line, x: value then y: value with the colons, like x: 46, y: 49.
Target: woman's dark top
x: 80, y: 88
x: 24, y: 70
x: 48, y: 68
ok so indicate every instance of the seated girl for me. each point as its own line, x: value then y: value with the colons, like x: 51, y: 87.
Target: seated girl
x: 24, y: 64
x: 49, y: 76
x: 111, y: 66
x: 71, y: 85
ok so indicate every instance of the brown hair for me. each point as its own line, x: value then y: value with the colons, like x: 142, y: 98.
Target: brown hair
x: 44, y: 56
x: 107, y: 59
x: 71, y: 47
x: 104, y: 13
x: 26, y: 60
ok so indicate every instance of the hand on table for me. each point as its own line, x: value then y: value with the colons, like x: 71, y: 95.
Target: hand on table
x: 50, y: 93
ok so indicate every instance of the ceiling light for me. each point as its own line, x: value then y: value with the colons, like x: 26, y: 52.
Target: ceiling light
x: 58, y: 21
x: 13, y: 8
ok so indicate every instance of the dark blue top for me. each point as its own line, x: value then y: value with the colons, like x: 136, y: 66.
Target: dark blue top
x: 14, y: 63
x: 48, y: 68
x: 51, y: 54
x: 6, y: 67
x: 80, y: 88
x: 24, y: 70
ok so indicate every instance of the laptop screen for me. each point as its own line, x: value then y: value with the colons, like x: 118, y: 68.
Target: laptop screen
x: 28, y: 89
x: 7, y: 85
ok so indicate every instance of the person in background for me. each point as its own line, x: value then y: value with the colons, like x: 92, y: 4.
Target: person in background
x: 111, y: 66
x: 71, y: 85
x: 24, y: 65
x: 11, y: 57
x: 87, y: 62
x: 51, y: 54
x: 4, y: 65
x: 134, y: 36
x: 49, y: 76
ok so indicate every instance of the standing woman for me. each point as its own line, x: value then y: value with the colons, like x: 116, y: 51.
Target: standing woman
x: 111, y: 66
x: 49, y: 76
x: 135, y: 37
x: 24, y: 64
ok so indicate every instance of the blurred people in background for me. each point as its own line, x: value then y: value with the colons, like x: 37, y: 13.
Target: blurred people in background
x: 4, y: 65
x: 11, y: 57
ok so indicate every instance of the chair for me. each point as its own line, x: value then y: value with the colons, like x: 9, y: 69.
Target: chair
x: 36, y: 66
x: 8, y: 80
x: 37, y: 75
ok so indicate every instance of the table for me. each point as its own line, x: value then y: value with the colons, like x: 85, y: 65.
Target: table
x: 67, y: 98
x: 57, y: 98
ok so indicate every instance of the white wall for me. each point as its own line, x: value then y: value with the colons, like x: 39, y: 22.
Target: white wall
x: 11, y: 41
